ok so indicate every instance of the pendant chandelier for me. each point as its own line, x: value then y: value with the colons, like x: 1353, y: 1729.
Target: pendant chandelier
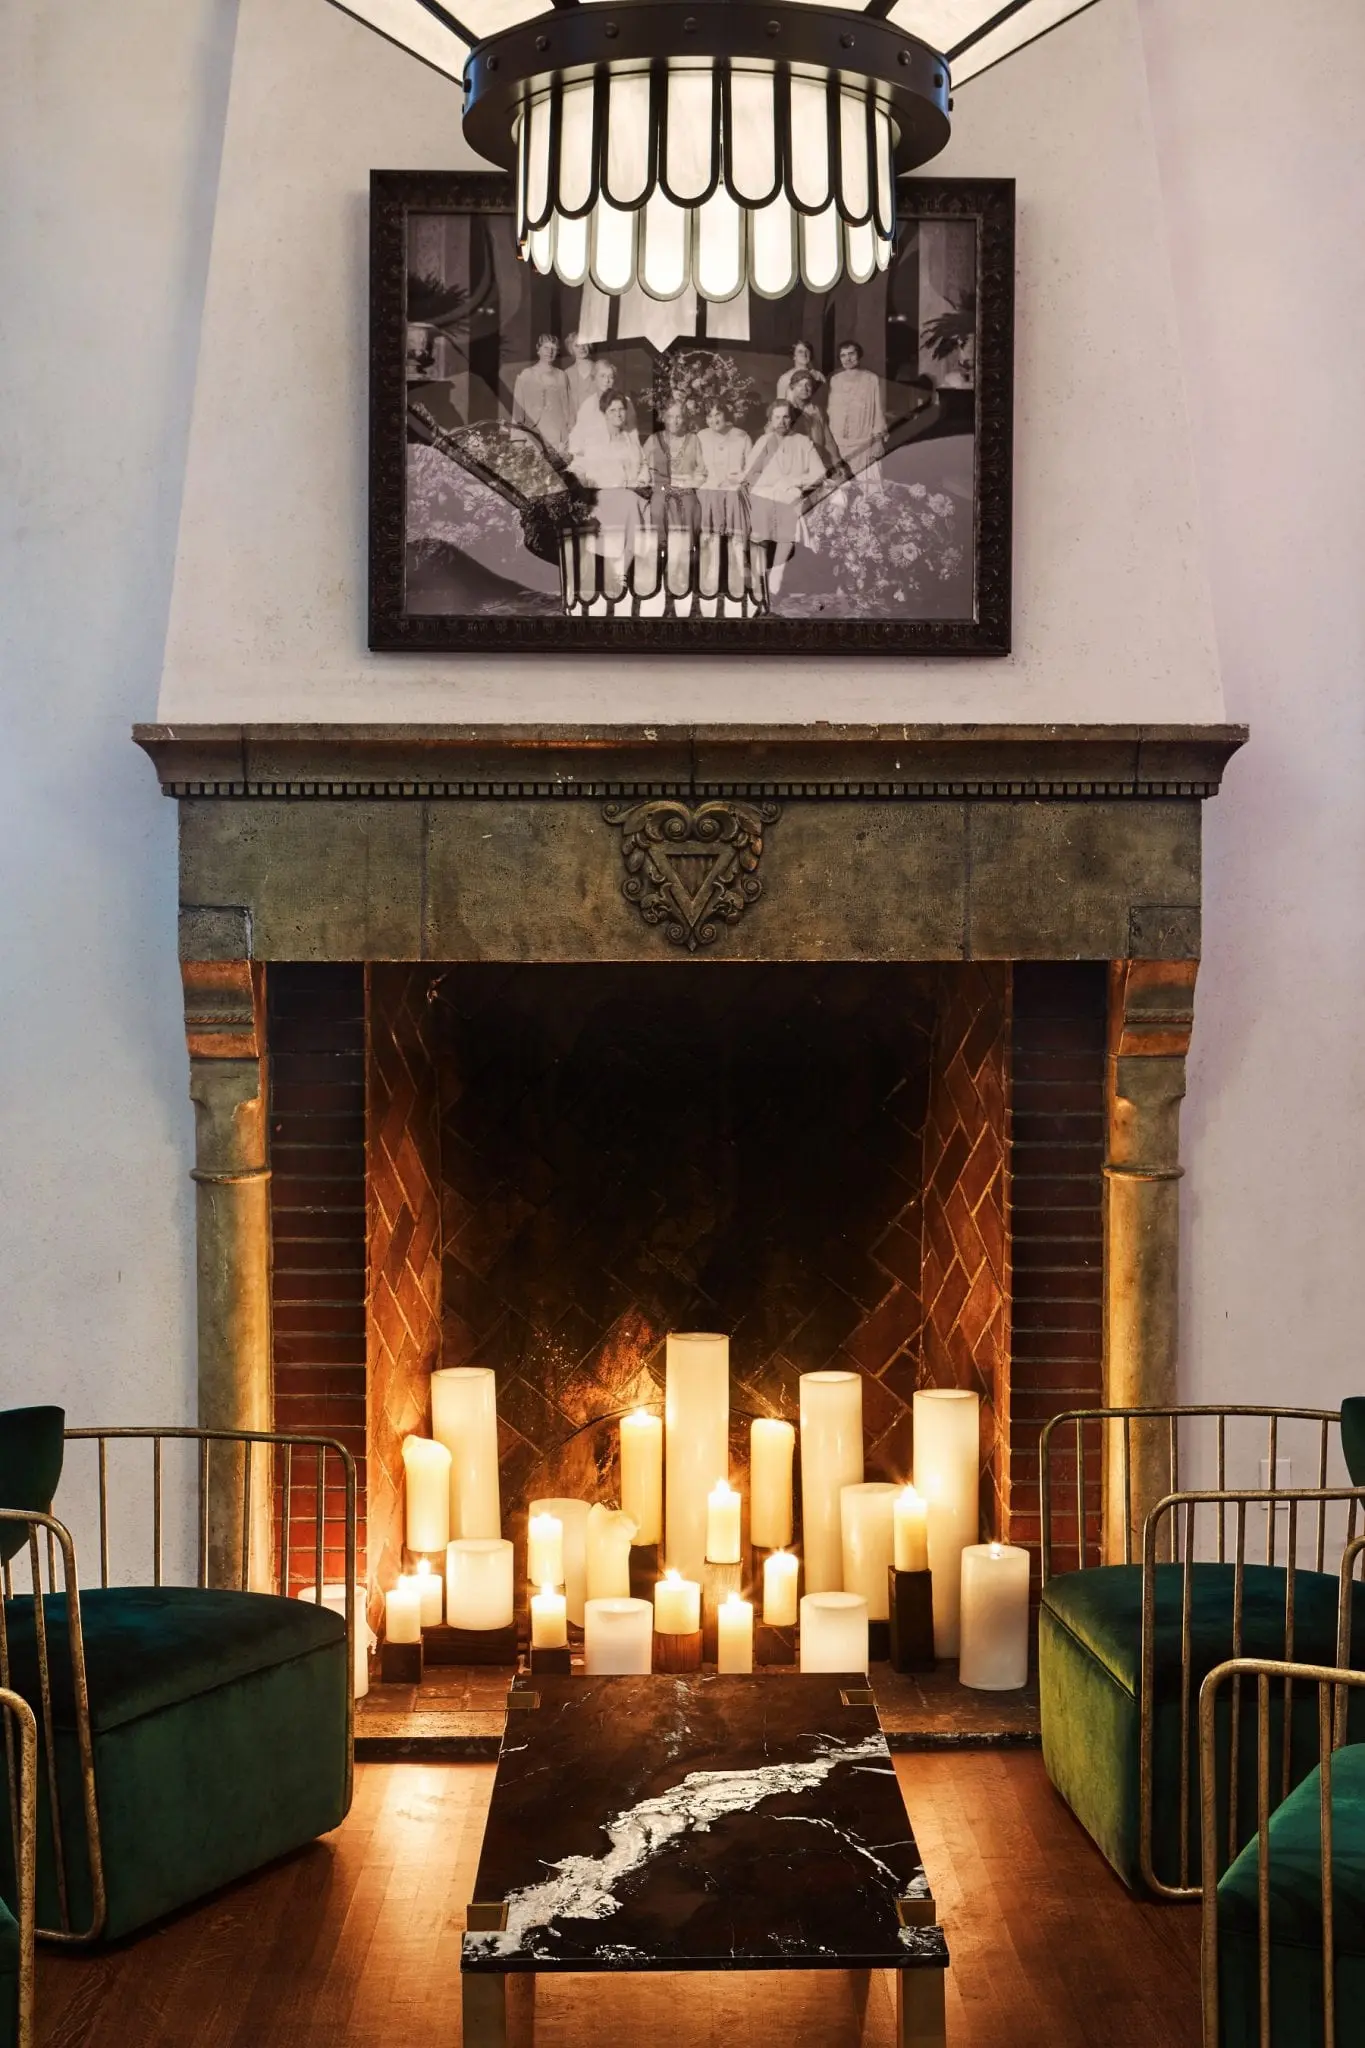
x: 709, y: 145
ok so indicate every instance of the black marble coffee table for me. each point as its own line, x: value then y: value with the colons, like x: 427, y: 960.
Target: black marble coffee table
x: 698, y: 1823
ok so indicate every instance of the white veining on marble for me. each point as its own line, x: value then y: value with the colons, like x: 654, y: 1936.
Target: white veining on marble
x: 814, y: 1820
x: 583, y: 1887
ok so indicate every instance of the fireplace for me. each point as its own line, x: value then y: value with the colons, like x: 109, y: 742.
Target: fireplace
x: 523, y: 1047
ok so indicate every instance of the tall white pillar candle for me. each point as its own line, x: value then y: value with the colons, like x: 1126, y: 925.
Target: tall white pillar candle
x: 618, y: 1637
x: 545, y: 1550
x: 428, y: 1587
x: 947, y: 1432
x: 912, y: 1531
x: 994, y: 1617
x: 549, y: 1622
x: 572, y: 1515
x: 831, y: 1459
x: 833, y: 1632
x: 479, y: 1591
x: 334, y: 1597
x: 867, y: 1516
x: 426, y: 1490
x: 735, y: 1634
x: 464, y: 1417
x: 403, y: 1614
x: 722, y: 1524
x: 771, y: 1447
x: 642, y: 1473
x: 677, y: 1605
x: 779, y: 1589
x: 610, y: 1535
x: 696, y: 1441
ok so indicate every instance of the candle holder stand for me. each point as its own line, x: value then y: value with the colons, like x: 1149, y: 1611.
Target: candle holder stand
x: 645, y: 1570
x: 774, y: 1645
x: 911, y: 1627
x: 447, y: 1645
x: 878, y: 1641
x: 400, y: 1663
x: 551, y: 1661
x: 718, y: 1581
x: 678, y: 1652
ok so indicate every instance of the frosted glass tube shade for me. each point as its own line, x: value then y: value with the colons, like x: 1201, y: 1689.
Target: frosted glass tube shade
x: 772, y: 1446
x: 947, y: 1433
x: 831, y: 1459
x: 995, y: 1626
x: 426, y: 1493
x: 696, y: 1442
x: 576, y: 136
x: 627, y: 168
x: 618, y: 1637
x: 464, y: 1417
x: 867, y: 1518
x: 572, y: 1516
x: 833, y: 1632
x: 479, y: 1590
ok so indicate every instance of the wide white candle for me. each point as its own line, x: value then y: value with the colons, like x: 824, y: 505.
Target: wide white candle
x: 334, y: 1597
x: 479, y: 1591
x: 545, y: 1550
x: 426, y: 1489
x: 549, y: 1620
x: 618, y: 1636
x: 867, y: 1514
x: 912, y: 1531
x: 428, y: 1587
x: 779, y: 1589
x: 642, y: 1473
x: 771, y: 1448
x: 994, y: 1617
x: 722, y: 1524
x: 696, y: 1441
x: 572, y: 1516
x: 403, y: 1614
x: 464, y: 1417
x: 610, y: 1535
x: 735, y: 1634
x: 677, y: 1605
x: 947, y: 1428
x: 831, y: 1459
x: 833, y: 1632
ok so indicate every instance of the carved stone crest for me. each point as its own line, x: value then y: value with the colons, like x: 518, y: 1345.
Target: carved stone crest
x: 691, y: 867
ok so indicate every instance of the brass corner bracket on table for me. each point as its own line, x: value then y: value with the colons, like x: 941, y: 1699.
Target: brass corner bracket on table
x: 692, y: 867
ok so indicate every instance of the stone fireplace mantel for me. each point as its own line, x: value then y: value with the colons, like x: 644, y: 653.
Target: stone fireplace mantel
x: 760, y: 844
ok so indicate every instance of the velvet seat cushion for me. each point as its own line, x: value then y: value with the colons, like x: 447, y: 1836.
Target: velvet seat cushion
x: 32, y: 1443
x: 1296, y: 1916
x: 147, y: 1647
x: 9, y: 1977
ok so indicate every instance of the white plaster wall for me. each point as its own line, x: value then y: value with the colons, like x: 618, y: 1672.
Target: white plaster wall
x: 268, y: 619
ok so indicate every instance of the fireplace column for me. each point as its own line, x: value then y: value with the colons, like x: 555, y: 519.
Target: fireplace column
x: 1150, y: 1014
x: 225, y: 1034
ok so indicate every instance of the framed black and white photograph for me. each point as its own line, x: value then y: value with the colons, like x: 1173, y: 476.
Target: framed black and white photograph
x: 556, y: 466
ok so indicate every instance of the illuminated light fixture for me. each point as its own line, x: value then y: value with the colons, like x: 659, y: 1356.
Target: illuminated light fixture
x: 709, y: 145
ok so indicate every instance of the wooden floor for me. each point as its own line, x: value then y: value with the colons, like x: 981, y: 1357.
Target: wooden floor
x: 355, y: 1943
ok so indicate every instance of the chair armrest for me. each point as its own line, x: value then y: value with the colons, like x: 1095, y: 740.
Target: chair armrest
x: 21, y: 1763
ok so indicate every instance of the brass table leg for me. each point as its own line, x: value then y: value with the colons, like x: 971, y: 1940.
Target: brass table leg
x: 920, y: 2018
x: 483, y: 2000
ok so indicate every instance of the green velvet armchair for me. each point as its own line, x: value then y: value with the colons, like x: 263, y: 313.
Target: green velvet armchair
x: 189, y: 1734
x: 1124, y: 1644
x: 16, y: 1893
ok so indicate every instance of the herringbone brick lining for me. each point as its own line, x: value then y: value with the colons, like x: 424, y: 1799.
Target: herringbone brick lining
x: 404, y: 1221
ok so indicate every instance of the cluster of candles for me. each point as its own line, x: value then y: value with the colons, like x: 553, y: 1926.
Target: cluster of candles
x: 674, y: 1491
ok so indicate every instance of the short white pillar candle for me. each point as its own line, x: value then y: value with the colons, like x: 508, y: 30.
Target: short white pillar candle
x: 866, y: 1514
x: 545, y: 1550
x: 912, y: 1531
x: 677, y: 1605
x: 780, y: 1573
x: 549, y: 1620
x: 947, y: 1434
x: 618, y: 1637
x: 572, y: 1515
x: 479, y: 1589
x: 426, y: 1489
x: 772, y: 1445
x: 722, y: 1524
x: 833, y: 1632
x: 429, y: 1591
x: 464, y: 1417
x: 334, y: 1597
x: 403, y: 1614
x: 994, y: 1617
x: 610, y: 1535
x: 831, y: 1459
x: 642, y: 1473
x: 735, y: 1634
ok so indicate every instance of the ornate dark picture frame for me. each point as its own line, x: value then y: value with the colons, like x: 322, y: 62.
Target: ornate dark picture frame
x: 421, y: 325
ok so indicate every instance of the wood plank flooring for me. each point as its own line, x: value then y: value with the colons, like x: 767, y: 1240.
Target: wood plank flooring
x: 355, y: 1942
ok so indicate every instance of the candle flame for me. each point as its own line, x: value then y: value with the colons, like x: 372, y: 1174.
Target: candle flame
x: 545, y: 1592
x: 911, y: 1497
x: 424, y: 1567
x: 672, y: 1577
x: 997, y: 1550
x: 734, y: 1599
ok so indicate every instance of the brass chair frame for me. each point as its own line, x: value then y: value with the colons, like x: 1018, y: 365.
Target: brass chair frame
x: 278, y: 1457
x: 21, y: 1768
x: 1170, y: 1534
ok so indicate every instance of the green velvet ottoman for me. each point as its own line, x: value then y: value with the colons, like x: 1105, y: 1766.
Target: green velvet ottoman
x: 9, y: 1977
x: 1089, y: 1665
x: 219, y: 1724
x: 1296, y: 2017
